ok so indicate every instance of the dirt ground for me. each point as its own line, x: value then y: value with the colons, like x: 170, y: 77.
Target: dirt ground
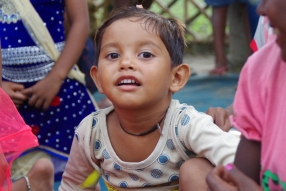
x: 201, y: 64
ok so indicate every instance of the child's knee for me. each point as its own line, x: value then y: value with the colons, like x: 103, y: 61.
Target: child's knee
x: 193, y: 173
x: 196, y: 165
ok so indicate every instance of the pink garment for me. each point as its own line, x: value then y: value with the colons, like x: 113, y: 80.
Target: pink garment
x: 15, y: 137
x: 260, y: 109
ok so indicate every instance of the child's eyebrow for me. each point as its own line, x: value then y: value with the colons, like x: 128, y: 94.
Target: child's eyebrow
x: 111, y: 44
x: 142, y: 43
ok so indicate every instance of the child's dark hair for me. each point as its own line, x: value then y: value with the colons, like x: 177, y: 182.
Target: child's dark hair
x: 170, y: 31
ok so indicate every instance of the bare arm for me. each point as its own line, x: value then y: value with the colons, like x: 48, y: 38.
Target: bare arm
x: 247, y: 163
x: 247, y: 158
x: 230, y: 179
x: 77, y: 14
x: 81, y: 163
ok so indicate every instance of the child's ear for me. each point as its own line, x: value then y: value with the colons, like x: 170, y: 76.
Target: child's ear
x: 95, y: 76
x: 180, y: 77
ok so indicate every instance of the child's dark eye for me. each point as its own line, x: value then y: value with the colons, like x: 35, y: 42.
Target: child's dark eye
x: 145, y: 55
x: 113, y: 56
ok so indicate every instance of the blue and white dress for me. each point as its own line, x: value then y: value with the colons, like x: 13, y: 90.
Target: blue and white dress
x: 25, y: 63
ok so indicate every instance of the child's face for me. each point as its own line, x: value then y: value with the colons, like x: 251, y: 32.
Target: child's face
x: 134, y: 66
x: 275, y: 10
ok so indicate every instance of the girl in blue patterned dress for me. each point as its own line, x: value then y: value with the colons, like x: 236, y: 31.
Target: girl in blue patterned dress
x: 50, y: 102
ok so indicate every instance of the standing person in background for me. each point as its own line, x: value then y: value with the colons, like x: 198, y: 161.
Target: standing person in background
x: 85, y: 62
x: 48, y: 92
x: 219, y: 19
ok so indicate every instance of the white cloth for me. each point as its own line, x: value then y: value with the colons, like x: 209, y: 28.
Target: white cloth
x: 199, y: 137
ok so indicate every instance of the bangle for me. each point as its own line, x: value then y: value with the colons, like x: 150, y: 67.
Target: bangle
x: 28, y: 183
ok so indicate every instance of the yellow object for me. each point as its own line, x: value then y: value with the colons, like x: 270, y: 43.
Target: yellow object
x: 91, y: 180
x: 109, y: 187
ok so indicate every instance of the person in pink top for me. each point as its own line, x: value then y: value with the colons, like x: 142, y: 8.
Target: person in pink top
x: 259, y: 113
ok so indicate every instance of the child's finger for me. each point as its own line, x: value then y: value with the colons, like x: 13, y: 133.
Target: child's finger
x: 19, y: 96
x: 17, y: 102
x: 216, y: 182
x: 239, y: 179
x: 17, y: 87
x: 28, y: 91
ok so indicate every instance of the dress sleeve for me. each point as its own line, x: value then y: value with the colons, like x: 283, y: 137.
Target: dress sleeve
x: 200, y: 135
x: 248, y: 103
x: 80, y: 165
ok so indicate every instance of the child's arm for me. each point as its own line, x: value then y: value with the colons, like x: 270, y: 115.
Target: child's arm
x: 77, y: 169
x: 77, y: 13
x: 247, y: 158
x: 206, y: 139
x: 80, y: 164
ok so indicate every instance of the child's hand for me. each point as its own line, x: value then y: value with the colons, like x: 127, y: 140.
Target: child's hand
x: 221, y: 117
x: 230, y: 178
x: 14, y: 92
x: 43, y: 92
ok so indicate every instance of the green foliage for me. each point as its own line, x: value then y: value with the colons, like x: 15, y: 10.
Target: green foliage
x: 201, y: 26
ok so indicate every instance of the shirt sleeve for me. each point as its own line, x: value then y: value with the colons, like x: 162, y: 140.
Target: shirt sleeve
x: 80, y: 164
x: 204, y: 138
x: 248, y: 103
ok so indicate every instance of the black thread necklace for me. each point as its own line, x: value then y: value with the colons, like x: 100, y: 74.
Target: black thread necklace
x: 157, y: 126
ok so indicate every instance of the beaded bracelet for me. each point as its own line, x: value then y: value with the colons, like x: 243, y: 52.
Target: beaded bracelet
x: 28, y: 183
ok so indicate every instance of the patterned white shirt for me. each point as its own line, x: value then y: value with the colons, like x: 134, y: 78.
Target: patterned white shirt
x: 186, y: 133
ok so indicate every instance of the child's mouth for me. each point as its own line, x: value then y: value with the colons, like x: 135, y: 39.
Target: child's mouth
x: 128, y: 82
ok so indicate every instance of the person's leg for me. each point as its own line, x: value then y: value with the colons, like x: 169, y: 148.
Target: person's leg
x: 246, y: 22
x: 41, y: 177
x: 22, y: 165
x: 219, y: 17
x: 193, y: 174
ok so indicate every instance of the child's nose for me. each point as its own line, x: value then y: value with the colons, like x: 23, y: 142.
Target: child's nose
x: 126, y: 63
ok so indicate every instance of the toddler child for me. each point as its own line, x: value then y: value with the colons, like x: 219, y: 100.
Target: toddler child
x: 141, y: 141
